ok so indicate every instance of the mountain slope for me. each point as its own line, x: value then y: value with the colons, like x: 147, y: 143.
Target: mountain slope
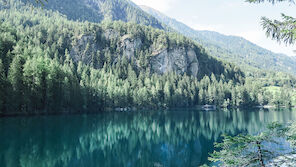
x: 100, y: 10
x: 231, y: 48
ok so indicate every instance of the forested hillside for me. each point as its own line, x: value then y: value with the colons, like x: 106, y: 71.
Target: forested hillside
x: 98, y: 11
x: 231, y: 48
x: 51, y: 64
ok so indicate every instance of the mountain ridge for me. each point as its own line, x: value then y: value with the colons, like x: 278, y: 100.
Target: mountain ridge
x: 100, y: 10
x: 231, y: 48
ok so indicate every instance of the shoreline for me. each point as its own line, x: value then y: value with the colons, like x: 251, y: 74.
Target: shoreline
x: 130, y: 109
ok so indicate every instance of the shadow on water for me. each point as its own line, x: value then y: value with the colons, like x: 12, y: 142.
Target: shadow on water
x: 157, y: 138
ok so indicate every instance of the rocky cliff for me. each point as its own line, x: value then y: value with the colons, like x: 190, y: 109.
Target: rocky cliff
x: 177, y: 59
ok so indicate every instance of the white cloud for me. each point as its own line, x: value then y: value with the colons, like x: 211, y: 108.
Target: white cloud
x: 161, y: 5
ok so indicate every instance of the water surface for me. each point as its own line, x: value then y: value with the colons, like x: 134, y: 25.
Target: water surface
x: 153, y: 138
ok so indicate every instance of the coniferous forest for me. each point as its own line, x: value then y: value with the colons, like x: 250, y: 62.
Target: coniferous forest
x: 39, y: 73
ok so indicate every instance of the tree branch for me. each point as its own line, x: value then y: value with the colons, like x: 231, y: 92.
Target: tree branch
x: 282, y: 31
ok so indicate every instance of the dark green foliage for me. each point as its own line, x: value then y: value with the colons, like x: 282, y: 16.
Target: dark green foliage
x: 239, y: 151
x: 15, y: 78
x: 3, y: 86
x: 248, y: 150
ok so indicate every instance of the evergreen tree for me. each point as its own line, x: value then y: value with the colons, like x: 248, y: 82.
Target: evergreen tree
x: 167, y: 93
x: 15, y: 77
x: 3, y: 87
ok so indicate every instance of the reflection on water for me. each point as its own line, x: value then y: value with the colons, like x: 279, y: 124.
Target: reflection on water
x: 162, y: 138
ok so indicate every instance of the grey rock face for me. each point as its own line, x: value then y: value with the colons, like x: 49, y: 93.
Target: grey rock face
x: 111, y: 34
x: 128, y: 46
x: 84, y: 49
x: 193, y: 66
x: 180, y: 60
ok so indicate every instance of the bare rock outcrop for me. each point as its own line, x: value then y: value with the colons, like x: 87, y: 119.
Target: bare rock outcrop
x: 84, y: 48
x: 179, y: 59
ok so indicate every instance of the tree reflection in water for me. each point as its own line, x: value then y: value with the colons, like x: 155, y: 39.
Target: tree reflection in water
x: 160, y: 138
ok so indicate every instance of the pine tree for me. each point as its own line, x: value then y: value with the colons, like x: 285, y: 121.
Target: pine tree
x: 248, y: 150
x: 54, y: 86
x: 260, y: 99
x: 3, y: 87
x: 167, y: 93
x: 201, y: 96
x: 132, y: 76
x: 15, y: 78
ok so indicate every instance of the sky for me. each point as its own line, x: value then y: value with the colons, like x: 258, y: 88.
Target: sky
x: 229, y: 17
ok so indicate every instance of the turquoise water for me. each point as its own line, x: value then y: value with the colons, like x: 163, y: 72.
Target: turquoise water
x: 154, y: 138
